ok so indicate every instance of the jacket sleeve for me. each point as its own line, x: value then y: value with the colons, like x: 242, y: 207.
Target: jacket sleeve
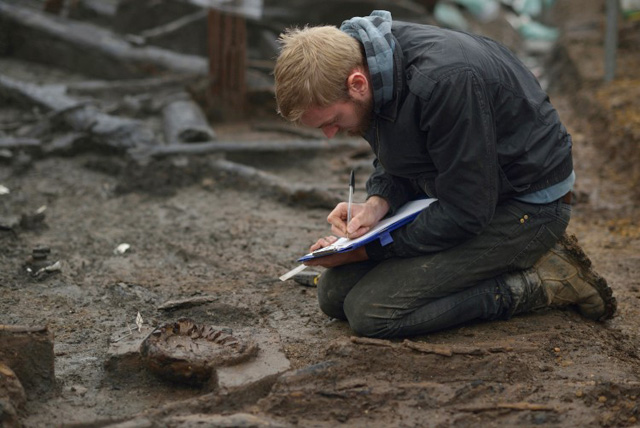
x: 396, y: 190
x: 461, y: 139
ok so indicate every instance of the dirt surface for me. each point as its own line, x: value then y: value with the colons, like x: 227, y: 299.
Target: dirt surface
x: 195, y: 233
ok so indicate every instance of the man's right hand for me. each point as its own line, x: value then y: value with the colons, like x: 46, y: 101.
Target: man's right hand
x: 363, y: 217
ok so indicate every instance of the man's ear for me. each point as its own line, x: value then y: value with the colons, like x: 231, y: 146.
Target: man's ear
x: 358, y: 84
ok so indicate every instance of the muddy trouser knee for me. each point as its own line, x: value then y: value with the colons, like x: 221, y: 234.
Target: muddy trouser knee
x: 412, y: 296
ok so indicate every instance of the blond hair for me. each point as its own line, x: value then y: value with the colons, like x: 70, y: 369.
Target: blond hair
x: 312, y: 69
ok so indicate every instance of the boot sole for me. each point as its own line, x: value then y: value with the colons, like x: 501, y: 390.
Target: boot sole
x: 570, y: 243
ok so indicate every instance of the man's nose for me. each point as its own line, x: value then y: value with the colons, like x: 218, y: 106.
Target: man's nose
x: 330, y: 131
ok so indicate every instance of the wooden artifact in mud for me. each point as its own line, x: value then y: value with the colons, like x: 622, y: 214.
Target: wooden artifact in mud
x: 20, y: 143
x: 87, y: 48
x: 28, y: 351
x: 186, y: 352
x: 185, y: 122
x: 299, y: 194
x: 100, y: 88
x: 115, y: 57
x: 12, y: 397
x: 111, y: 131
x: 257, y: 147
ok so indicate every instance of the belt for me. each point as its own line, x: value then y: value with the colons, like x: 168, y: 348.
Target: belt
x: 567, y: 198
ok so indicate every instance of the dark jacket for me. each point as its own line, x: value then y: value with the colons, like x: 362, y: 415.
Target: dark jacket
x: 469, y: 125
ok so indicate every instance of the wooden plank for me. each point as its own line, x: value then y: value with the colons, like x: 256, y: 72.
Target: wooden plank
x: 244, y: 8
x: 86, y: 48
x: 28, y: 351
x: 184, y: 122
x: 120, y: 133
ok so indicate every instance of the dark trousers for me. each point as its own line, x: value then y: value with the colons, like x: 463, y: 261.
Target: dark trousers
x: 413, y: 296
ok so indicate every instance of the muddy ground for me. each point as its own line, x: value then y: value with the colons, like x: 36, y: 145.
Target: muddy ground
x: 196, y: 233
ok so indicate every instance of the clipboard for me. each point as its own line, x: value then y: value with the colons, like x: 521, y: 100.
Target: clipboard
x: 381, y: 231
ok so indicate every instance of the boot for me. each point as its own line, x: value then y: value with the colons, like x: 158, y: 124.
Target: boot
x: 527, y: 293
x: 563, y: 277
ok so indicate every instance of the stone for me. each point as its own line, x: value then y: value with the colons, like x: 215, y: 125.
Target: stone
x: 172, y: 305
x: 269, y: 363
x: 123, y: 356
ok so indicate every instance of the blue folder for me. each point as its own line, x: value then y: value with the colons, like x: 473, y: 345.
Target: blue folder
x: 381, y: 231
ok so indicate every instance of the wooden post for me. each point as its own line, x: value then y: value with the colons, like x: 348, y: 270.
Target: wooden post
x: 611, y: 40
x: 53, y: 6
x: 28, y: 351
x: 227, y: 64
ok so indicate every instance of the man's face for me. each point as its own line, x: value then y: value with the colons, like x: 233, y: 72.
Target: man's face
x: 352, y: 117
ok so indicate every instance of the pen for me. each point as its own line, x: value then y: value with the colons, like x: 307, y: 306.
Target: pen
x: 352, y: 184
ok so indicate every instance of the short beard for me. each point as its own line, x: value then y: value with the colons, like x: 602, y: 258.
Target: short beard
x: 364, y: 111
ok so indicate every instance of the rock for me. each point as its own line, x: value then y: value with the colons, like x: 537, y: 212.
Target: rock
x: 269, y: 363
x: 78, y: 390
x: 124, y: 351
x: 186, y: 303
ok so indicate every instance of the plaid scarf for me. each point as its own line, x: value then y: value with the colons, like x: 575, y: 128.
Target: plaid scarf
x: 374, y: 32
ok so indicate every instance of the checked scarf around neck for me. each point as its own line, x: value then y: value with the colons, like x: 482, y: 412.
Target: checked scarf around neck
x: 374, y: 32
